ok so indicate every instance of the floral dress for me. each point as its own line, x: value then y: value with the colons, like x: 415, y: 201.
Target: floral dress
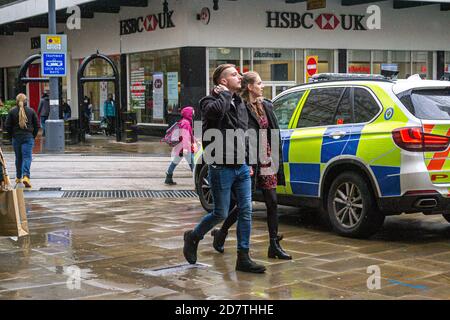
x: 267, y: 178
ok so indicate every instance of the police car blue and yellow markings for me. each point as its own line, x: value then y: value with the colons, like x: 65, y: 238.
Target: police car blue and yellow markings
x: 345, y: 145
x: 305, y: 157
x: 304, y: 178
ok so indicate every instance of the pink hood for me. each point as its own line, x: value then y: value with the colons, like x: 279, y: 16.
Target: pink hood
x: 187, y: 113
x: 187, y: 136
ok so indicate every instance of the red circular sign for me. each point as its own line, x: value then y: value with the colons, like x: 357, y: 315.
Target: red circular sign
x: 311, y: 66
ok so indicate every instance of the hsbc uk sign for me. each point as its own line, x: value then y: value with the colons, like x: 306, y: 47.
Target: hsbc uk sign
x: 148, y: 23
x: 325, y: 21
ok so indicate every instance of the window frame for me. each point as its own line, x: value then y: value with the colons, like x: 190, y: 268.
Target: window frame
x: 352, y: 109
x: 335, y: 107
x: 352, y: 101
x: 301, y: 94
x: 375, y: 98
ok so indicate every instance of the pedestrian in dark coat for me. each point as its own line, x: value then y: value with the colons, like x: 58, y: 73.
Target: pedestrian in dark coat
x: 268, y: 172
x: 44, y: 111
x: 22, y: 124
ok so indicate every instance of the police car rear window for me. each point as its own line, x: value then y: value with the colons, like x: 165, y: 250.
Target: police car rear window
x: 428, y: 104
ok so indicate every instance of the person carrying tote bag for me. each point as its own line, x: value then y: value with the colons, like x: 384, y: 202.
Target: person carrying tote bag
x: 13, y: 215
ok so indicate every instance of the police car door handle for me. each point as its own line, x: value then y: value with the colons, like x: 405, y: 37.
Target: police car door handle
x: 337, y: 134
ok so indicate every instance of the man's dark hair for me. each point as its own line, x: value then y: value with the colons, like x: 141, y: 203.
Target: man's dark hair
x: 219, y: 70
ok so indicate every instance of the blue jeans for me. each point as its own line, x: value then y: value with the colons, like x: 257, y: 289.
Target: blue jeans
x: 23, y: 148
x: 224, y: 180
x: 176, y: 160
x: 43, y: 119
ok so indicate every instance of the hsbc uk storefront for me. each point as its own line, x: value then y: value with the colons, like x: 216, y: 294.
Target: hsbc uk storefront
x: 351, y: 39
x: 167, y: 53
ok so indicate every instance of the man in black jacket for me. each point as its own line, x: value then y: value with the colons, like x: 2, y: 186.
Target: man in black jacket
x: 225, y: 119
x: 44, y: 111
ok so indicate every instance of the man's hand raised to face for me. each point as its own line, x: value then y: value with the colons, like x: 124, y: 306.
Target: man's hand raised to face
x: 220, y: 88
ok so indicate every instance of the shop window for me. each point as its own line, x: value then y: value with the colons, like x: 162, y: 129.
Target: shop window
x: 98, y: 92
x: 326, y: 59
x: 320, y: 107
x: 2, y: 85
x: 300, y: 62
x: 358, y: 61
x: 403, y: 61
x: 11, y: 82
x: 155, y: 85
x: 422, y: 64
x: 379, y: 57
x: 285, y: 107
x: 365, y: 106
x: 447, y: 61
x: 274, y: 64
x: 218, y: 56
x: 246, y: 60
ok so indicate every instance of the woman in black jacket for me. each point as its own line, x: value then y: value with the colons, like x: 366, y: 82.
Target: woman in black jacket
x: 262, y: 120
x: 22, y: 124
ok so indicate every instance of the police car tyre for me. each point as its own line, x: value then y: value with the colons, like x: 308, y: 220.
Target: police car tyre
x: 203, y: 189
x: 446, y: 216
x: 352, y: 208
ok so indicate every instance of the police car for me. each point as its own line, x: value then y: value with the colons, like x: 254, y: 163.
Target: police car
x: 361, y: 147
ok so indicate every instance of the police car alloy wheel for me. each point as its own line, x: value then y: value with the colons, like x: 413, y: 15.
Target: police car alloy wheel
x: 352, y: 207
x: 348, y: 204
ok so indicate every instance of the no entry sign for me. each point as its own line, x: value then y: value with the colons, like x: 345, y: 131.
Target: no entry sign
x: 311, y: 66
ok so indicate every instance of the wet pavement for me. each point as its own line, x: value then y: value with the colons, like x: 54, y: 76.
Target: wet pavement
x: 132, y: 249
x: 101, y: 145
x: 104, y: 164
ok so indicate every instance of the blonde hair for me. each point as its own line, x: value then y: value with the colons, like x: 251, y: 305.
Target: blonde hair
x: 20, y: 101
x: 247, y: 79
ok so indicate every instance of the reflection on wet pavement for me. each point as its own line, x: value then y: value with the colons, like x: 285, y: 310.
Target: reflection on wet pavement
x: 132, y: 249
x: 99, y: 144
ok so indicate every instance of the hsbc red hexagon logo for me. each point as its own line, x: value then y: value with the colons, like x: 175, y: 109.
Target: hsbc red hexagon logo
x: 150, y: 23
x: 327, y: 21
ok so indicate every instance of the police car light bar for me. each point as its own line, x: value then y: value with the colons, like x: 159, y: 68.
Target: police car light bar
x: 346, y: 76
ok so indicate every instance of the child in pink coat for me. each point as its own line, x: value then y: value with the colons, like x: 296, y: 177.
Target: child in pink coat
x: 186, y: 147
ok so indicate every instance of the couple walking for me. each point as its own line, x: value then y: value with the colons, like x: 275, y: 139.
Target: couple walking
x: 237, y: 104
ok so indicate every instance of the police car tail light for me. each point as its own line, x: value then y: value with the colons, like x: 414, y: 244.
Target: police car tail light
x: 414, y: 139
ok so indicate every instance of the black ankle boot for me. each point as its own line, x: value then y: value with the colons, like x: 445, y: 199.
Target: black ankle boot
x: 190, y: 246
x: 245, y: 264
x: 276, y: 251
x: 219, y: 239
x: 169, y: 179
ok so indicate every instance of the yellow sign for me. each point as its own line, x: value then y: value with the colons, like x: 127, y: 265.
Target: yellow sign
x: 53, y: 42
x: 311, y: 66
x: 316, y: 4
